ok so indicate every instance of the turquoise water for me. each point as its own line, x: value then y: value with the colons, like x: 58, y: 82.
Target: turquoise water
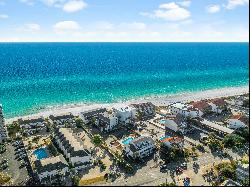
x: 162, y: 121
x: 127, y: 140
x: 34, y: 76
x: 40, y: 153
x: 163, y: 137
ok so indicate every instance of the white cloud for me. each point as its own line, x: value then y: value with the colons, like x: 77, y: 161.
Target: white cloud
x: 3, y: 16
x: 74, y: 6
x: 213, y: 9
x: 169, y: 12
x: 232, y: 4
x: 67, y: 26
x: 65, y: 5
x: 185, y: 3
x: 171, y: 5
x: 52, y: 2
x: 29, y: 27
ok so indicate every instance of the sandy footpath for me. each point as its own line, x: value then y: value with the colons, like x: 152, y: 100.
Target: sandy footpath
x: 157, y: 100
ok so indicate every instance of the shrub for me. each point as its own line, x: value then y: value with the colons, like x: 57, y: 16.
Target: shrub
x: 233, y: 140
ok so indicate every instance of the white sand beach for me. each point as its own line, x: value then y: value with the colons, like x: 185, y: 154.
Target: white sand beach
x: 162, y: 100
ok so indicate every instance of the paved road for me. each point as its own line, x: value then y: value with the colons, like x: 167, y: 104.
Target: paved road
x: 153, y: 176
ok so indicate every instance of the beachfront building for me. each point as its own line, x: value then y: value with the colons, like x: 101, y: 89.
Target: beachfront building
x: 3, y: 131
x: 63, y: 120
x: 202, y: 106
x: 184, y: 109
x: 175, y: 123
x: 238, y: 121
x: 218, y: 105
x: 173, y: 142
x: 90, y: 116
x: 105, y: 120
x: 73, y: 148
x: 242, y: 172
x: 106, y: 123
x: 32, y: 126
x: 144, y: 110
x: 140, y: 147
x: 53, y: 170
x: 125, y: 114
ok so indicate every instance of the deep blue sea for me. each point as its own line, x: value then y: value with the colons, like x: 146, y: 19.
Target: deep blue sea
x: 37, y: 75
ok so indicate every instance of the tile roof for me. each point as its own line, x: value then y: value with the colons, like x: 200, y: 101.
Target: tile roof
x: 242, y: 118
x: 201, y: 105
x: 219, y: 102
x: 174, y: 139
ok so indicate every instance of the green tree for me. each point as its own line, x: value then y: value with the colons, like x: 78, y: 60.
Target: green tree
x: 243, y: 132
x: 232, y: 140
x: 97, y: 139
x: 79, y: 122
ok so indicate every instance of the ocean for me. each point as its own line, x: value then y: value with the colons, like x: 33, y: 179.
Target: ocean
x: 34, y: 76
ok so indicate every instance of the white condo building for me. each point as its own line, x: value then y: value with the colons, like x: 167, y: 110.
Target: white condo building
x: 184, y: 110
x: 140, y: 147
x: 73, y: 148
x: 52, y: 170
x: 125, y: 114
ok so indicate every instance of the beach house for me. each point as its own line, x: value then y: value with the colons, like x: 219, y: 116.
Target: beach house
x: 144, y: 110
x: 32, y: 126
x: 63, y: 120
x: 175, y: 123
x: 202, y: 107
x: 3, y: 131
x: 90, y: 116
x: 125, y: 114
x: 73, y: 148
x: 184, y: 109
x: 140, y: 147
x: 238, y: 121
x: 171, y: 142
x: 52, y: 170
x: 218, y: 105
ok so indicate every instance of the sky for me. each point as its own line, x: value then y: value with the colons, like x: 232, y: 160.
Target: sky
x: 124, y: 20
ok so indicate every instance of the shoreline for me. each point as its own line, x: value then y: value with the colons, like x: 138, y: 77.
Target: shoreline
x: 162, y: 100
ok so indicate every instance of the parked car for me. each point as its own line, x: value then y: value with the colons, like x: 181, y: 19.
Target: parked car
x: 184, y: 165
x: 179, y: 170
x: 163, y: 167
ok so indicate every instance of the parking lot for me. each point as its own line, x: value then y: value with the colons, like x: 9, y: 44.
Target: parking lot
x: 15, y: 168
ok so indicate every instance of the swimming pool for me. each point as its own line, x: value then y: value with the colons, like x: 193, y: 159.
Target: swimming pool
x: 163, y: 137
x: 127, y: 140
x: 41, y: 153
x: 162, y: 121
